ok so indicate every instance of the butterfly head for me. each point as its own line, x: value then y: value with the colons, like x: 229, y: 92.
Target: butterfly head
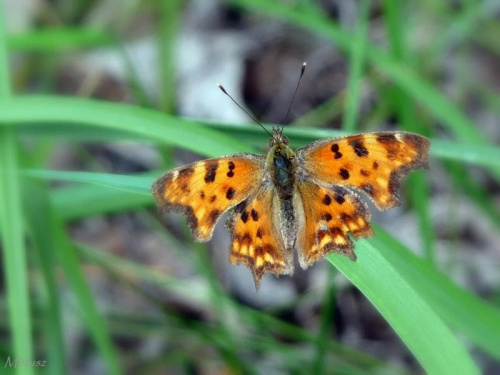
x: 278, y: 138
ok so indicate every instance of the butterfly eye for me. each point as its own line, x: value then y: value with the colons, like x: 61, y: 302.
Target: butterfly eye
x: 285, y: 140
x: 271, y: 142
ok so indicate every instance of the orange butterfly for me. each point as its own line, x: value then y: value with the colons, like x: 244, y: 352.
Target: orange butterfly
x: 307, y: 199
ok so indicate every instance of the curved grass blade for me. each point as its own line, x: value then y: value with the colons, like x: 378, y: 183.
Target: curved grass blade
x: 145, y: 123
x: 119, y: 121
x: 408, y: 313
x: 461, y: 309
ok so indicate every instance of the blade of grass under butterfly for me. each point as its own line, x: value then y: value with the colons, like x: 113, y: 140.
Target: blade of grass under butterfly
x: 463, y: 310
x: 407, y: 312
x: 12, y: 228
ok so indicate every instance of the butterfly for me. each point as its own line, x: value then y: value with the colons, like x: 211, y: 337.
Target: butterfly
x: 306, y: 199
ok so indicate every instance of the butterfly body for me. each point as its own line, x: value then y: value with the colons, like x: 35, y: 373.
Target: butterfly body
x: 306, y: 199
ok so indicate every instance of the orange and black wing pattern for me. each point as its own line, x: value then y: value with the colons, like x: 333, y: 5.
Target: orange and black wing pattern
x: 256, y: 239
x: 330, y: 214
x: 204, y: 190
x: 373, y: 162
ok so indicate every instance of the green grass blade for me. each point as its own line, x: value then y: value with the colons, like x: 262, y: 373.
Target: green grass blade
x: 406, y: 310
x: 463, y: 26
x: 129, y: 122
x: 123, y: 182
x: 405, y: 109
x: 356, y: 63
x: 325, y: 327
x: 83, y: 201
x: 170, y: 13
x: 12, y: 228
x: 39, y: 213
x: 57, y: 39
x: 461, y: 309
x: 69, y: 261
x: 142, y: 122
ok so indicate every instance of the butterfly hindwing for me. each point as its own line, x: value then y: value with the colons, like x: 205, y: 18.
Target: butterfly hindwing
x: 330, y: 215
x: 204, y: 190
x: 256, y: 239
x: 373, y: 162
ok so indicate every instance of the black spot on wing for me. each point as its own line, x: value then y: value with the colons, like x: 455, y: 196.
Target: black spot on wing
x: 358, y: 147
x: 210, y: 171
x: 255, y: 215
x: 230, y: 193
x: 339, y: 198
x: 335, y: 150
x: 344, y: 173
x: 326, y: 216
x: 327, y: 200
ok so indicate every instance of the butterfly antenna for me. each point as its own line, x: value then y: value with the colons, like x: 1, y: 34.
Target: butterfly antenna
x: 243, y: 109
x: 302, y: 70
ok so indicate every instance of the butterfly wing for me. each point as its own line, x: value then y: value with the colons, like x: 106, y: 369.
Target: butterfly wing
x: 256, y: 239
x: 204, y: 190
x: 373, y: 162
x: 330, y: 213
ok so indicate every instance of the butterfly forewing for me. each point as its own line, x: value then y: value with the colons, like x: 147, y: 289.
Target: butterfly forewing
x: 204, y: 190
x: 373, y: 162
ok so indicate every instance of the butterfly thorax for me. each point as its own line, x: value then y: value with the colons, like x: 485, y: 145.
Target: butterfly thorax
x: 281, y: 164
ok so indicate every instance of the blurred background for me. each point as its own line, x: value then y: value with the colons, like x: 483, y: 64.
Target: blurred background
x: 172, y: 306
